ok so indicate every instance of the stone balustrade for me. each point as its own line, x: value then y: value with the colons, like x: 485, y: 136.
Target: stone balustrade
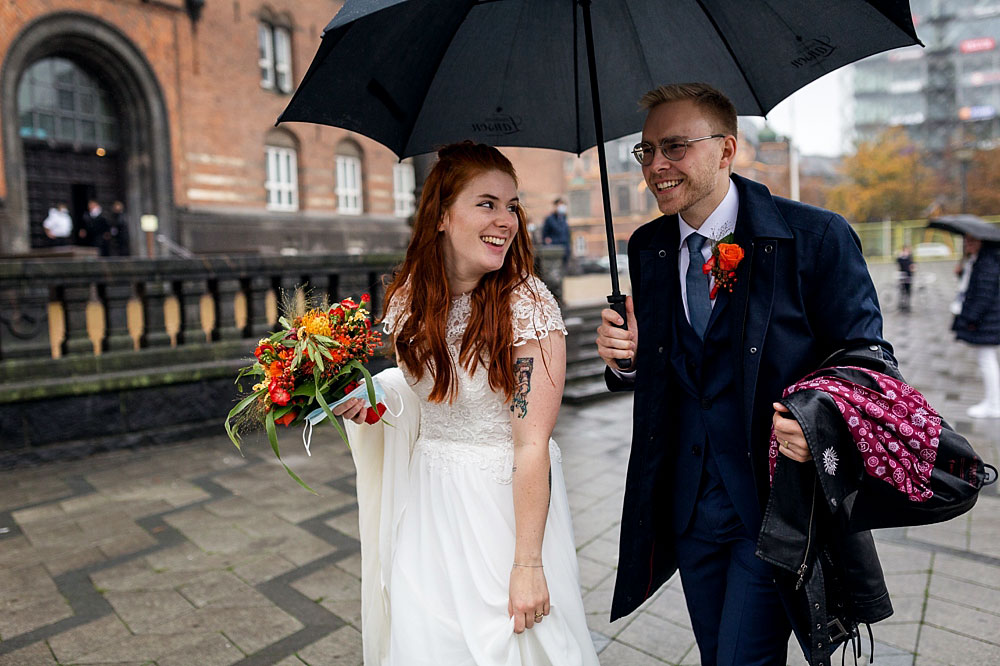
x: 104, y: 353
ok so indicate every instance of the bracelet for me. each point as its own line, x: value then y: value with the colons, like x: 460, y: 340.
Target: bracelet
x: 528, y: 566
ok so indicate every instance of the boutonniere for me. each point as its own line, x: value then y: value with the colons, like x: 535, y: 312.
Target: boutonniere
x: 726, y: 256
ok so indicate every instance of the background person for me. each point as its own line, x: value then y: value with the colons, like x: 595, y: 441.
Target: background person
x: 58, y: 226
x: 977, y: 318
x: 555, y: 229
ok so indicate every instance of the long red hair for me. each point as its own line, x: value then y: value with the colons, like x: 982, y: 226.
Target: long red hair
x: 488, y: 340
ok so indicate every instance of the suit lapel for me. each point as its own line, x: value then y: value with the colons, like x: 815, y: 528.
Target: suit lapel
x: 759, y: 230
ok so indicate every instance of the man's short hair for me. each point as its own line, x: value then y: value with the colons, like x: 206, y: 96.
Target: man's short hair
x: 558, y: 201
x: 719, y: 107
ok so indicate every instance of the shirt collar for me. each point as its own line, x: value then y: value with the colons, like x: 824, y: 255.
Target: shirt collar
x: 719, y: 224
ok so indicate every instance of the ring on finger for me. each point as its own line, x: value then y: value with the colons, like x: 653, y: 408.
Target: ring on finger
x: 786, y: 444
x: 538, y: 617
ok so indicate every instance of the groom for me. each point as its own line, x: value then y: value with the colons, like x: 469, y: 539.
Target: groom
x: 736, y: 294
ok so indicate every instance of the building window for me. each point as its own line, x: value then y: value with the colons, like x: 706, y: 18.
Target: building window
x: 274, y: 53
x: 282, y: 179
x: 58, y: 101
x: 349, y: 185
x: 624, y: 198
x: 403, y: 184
x: 579, y: 203
x: 580, y: 245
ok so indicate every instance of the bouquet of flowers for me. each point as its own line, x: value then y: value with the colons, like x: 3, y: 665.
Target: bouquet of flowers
x: 314, y: 362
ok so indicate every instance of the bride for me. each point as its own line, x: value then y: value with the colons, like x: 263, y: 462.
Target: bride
x: 469, y: 555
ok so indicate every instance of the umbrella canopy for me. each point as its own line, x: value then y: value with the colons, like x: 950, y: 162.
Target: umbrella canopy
x: 967, y: 225
x: 416, y: 74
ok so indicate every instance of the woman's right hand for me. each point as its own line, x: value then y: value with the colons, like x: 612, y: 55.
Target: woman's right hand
x: 354, y: 409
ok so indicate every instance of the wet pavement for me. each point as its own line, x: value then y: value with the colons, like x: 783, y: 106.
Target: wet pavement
x: 193, y: 555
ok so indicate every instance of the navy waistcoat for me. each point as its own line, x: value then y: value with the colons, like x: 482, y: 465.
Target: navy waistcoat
x: 708, y: 417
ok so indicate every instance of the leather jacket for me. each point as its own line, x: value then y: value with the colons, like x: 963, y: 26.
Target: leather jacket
x: 829, y: 576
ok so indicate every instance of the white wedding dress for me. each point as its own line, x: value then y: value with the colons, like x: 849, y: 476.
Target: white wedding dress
x: 454, y: 542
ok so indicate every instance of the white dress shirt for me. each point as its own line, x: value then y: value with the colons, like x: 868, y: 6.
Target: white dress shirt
x: 720, y: 223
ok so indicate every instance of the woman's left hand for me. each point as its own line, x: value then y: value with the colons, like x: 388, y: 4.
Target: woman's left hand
x: 529, y: 597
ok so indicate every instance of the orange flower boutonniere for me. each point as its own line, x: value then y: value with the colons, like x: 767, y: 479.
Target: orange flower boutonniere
x: 726, y: 256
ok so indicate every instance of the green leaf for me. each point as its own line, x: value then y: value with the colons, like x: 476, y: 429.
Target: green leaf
x: 272, y: 436
x: 284, y: 322
x: 317, y: 359
x: 325, y: 339
x: 240, y: 406
x: 326, y: 410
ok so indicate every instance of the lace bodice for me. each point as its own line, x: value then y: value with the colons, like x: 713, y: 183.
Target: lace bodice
x: 475, y: 428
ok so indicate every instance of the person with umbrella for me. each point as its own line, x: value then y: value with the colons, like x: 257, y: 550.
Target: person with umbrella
x: 977, y: 318
x: 737, y: 294
x: 483, y: 568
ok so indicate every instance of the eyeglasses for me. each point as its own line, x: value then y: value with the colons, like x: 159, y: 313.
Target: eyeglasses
x: 673, y: 150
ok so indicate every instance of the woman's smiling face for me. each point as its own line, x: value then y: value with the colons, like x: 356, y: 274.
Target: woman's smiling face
x: 478, y: 228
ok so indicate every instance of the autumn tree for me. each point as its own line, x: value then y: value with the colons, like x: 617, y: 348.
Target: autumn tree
x: 884, y: 179
x: 983, y: 183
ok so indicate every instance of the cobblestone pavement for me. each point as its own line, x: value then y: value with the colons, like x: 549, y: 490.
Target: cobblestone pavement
x: 194, y: 555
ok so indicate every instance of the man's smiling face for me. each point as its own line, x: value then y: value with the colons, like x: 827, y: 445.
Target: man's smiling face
x: 680, y: 186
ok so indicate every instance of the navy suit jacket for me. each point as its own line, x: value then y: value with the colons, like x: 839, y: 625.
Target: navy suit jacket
x: 802, y: 292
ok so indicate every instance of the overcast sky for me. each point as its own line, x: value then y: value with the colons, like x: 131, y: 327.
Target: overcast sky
x: 817, y: 117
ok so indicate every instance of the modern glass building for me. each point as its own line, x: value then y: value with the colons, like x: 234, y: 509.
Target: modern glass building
x: 947, y: 95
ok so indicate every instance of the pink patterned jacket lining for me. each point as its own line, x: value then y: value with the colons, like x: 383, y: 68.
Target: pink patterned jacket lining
x: 895, y: 430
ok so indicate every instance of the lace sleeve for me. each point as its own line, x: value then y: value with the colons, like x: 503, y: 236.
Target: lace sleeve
x: 397, y: 312
x: 535, y: 314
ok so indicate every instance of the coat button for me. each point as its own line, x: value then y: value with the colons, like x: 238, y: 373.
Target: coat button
x: 696, y: 450
x: 706, y: 403
x: 753, y: 350
x: 768, y: 249
x: 662, y: 253
x: 659, y: 350
x: 873, y: 347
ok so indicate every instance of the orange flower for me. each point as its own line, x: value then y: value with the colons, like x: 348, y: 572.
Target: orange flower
x: 275, y: 369
x: 316, y: 322
x: 287, y: 418
x: 730, y: 256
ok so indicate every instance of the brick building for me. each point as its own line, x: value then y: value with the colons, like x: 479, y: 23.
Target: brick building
x: 169, y: 106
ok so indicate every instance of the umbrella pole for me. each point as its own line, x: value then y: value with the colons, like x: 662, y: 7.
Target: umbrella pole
x: 616, y: 299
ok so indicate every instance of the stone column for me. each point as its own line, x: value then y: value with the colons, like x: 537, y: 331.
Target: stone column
x: 115, y: 297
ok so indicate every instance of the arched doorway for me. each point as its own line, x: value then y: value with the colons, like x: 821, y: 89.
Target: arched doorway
x: 87, y: 61
x: 70, y: 132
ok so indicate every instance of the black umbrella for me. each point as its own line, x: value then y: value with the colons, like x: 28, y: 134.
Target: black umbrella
x: 416, y: 74
x: 967, y: 225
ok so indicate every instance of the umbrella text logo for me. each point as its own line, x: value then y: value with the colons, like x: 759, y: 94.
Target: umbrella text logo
x: 498, y: 125
x: 813, y: 52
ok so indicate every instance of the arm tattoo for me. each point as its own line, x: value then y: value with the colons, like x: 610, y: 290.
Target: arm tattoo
x: 522, y: 377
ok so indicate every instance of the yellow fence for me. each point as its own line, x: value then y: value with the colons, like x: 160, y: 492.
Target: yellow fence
x: 881, y: 241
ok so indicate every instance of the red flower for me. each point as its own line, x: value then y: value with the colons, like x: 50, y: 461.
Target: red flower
x: 287, y: 418
x: 348, y: 304
x: 365, y: 298
x: 350, y: 387
x: 279, y: 395
x: 374, y: 414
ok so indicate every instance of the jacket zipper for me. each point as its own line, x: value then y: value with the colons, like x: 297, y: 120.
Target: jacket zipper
x: 805, y: 556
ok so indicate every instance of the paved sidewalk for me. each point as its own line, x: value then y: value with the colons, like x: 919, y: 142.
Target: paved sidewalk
x: 194, y: 555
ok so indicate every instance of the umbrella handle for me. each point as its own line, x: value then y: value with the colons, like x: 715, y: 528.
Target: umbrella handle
x: 617, y: 302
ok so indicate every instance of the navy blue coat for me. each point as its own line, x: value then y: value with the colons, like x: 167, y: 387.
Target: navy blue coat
x: 802, y: 293
x: 979, y: 321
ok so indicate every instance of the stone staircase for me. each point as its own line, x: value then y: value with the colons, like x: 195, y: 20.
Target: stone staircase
x: 584, y: 368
